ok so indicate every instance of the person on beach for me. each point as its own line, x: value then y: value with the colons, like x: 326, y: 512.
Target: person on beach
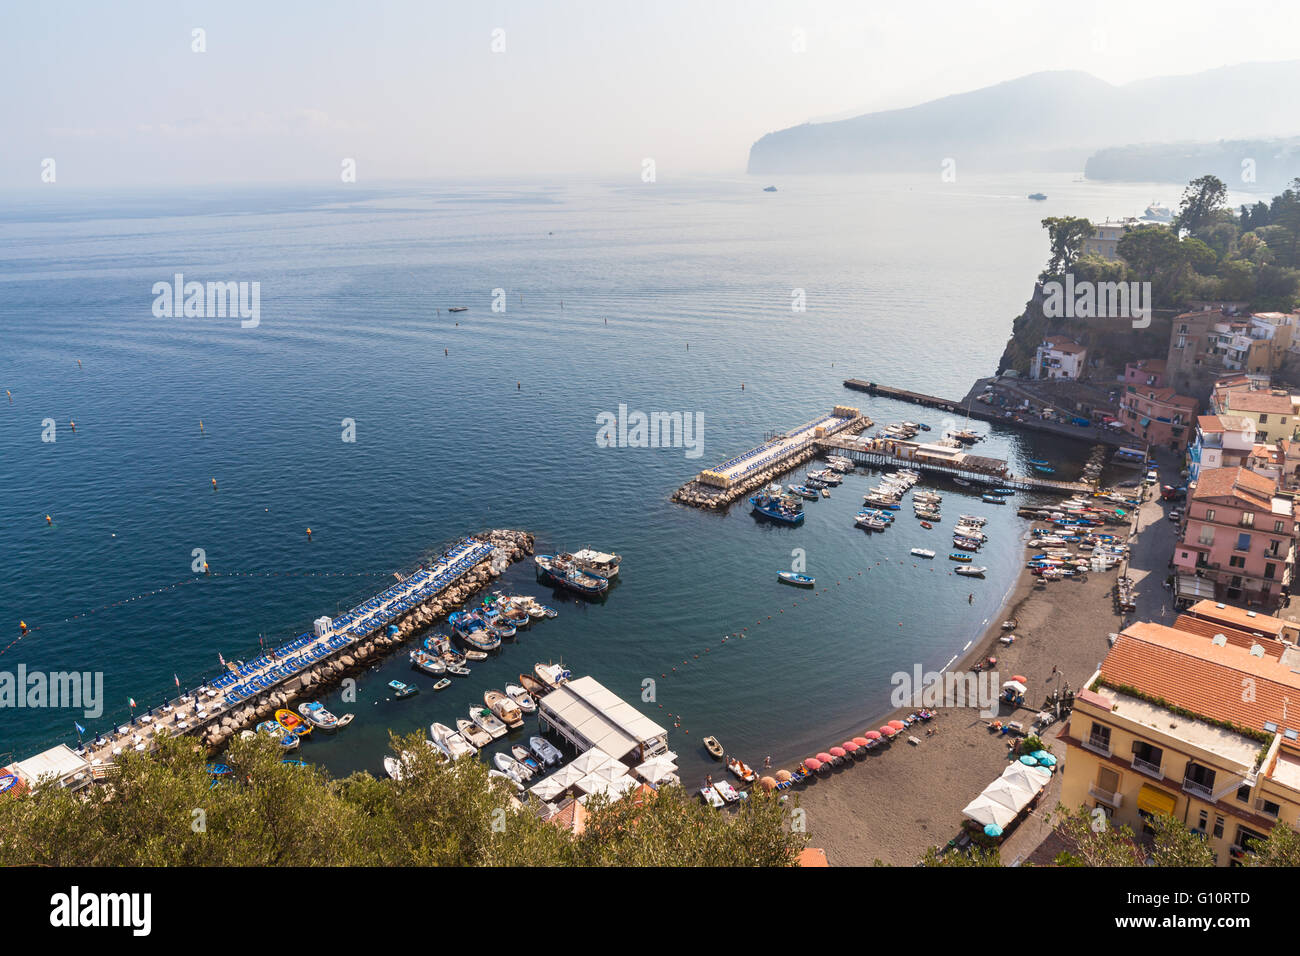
x: 767, y: 761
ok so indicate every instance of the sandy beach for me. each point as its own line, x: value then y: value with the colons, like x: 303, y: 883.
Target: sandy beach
x: 896, y: 801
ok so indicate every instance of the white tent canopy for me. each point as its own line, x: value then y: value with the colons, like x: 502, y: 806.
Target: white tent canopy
x: 985, y: 812
x: 657, y: 770
x: 558, y: 782
x: 1027, y: 778
x: 614, y: 789
x: 595, y: 759
x: 1008, y: 794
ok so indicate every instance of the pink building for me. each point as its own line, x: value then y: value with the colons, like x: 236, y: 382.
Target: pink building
x: 1159, y: 416
x: 1148, y: 372
x: 1239, y: 534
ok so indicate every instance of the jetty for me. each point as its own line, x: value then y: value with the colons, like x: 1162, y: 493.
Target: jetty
x: 944, y: 460
x: 246, y: 693
x: 719, y: 486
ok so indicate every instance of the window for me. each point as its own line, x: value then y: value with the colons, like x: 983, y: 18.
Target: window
x: 1199, y: 780
x: 1202, y: 821
x: 1107, y: 779
x: 1248, y: 519
x: 1268, y: 570
x: 1263, y: 419
x: 1236, y: 561
x: 1274, y: 547
x: 1243, y: 542
x: 1277, y: 526
x: 1147, y: 758
x: 1209, y: 514
x: 1099, y: 738
x: 1269, y: 807
x: 1218, y: 825
x: 1243, y: 794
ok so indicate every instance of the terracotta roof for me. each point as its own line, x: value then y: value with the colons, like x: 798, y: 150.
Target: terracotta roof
x: 1222, y: 482
x: 572, y: 817
x: 1188, y: 671
x: 1258, y: 401
x: 1062, y: 344
x: 1237, y: 638
x: 1238, y: 617
x: 1209, y: 423
x: 812, y: 856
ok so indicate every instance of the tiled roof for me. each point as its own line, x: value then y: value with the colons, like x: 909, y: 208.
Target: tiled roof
x: 1188, y: 671
x: 1238, y: 638
x: 1238, y: 617
x: 1245, y: 400
x: 1209, y: 423
x: 1221, y: 482
x: 1062, y: 344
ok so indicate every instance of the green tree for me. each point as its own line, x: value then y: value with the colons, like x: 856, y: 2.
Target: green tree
x: 1175, y: 845
x: 1066, y: 235
x: 1096, y: 842
x: 1282, y: 848
x: 1202, y: 198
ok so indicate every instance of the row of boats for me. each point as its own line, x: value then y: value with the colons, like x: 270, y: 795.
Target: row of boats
x: 786, y: 506
x: 585, y: 572
x: 290, y: 729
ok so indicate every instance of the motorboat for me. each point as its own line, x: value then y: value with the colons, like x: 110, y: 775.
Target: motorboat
x: 473, y: 733
x: 292, y: 723
x: 393, y: 768
x: 427, y: 662
x: 511, y: 767
x: 923, y: 552
x: 714, y: 747
x: 976, y: 520
x: 798, y: 580
x: 504, y: 708
x: 522, y: 698
x: 401, y: 690
x: 545, y: 750
x: 556, y: 571
x: 511, y: 782
x: 993, y: 499
x: 442, y: 684
x: 485, y: 718
x: 971, y: 571
x: 960, y: 556
x: 551, y: 675
x: 315, y: 714
x: 598, y: 562
x: 804, y: 492
x: 452, y: 744
x: 526, y: 759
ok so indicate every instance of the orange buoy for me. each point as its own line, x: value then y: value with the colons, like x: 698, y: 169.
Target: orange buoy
x: 72, y: 425
x: 23, y: 626
x: 309, y: 532
x: 78, y: 363
x: 214, y: 484
x: 205, y: 568
x: 48, y: 520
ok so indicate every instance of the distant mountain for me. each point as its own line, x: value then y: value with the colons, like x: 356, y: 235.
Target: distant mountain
x: 1266, y: 164
x: 1043, y: 121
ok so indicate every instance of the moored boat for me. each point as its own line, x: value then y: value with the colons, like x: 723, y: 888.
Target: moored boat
x: 315, y: 714
x: 971, y: 571
x: 531, y: 684
x: 526, y: 759
x: 473, y: 733
x: 778, y: 509
x: 799, y: 580
x: 714, y: 747
x: 427, y: 662
x: 403, y: 690
x: 959, y: 556
x: 741, y: 770
x: 599, y: 562
x: 292, y: 723
x: 711, y: 797
x: 484, y: 718
x: 450, y: 742
x: 923, y: 552
x: 551, y: 675
x: 522, y: 698
x: 993, y: 499
x: 554, y: 570
x: 504, y: 708
x: 545, y: 750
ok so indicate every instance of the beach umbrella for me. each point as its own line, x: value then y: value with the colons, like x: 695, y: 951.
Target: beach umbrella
x: 839, y: 752
x: 888, y: 731
x: 872, y: 735
x: 993, y: 830
x: 1044, y: 758
x: 861, y: 742
x: 767, y: 783
x: 897, y: 724
x: 849, y: 745
x: 812, y: 763
x: 1021, y: 678
x: 824, y: 757
x: 1028, y: 761
x: 783, y: 775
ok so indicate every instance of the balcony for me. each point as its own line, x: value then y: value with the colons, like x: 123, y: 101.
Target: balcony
x: 1097, y: 744
x: 1115, y: 800
x: 1148, y: 768
x: 1198, y: 789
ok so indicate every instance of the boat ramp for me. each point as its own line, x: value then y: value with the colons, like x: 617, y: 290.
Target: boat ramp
x: 719, y: 486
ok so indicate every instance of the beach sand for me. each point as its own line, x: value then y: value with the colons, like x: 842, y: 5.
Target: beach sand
x: 896, y: 801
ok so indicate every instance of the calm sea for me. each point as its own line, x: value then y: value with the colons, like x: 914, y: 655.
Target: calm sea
x: 660, y: 297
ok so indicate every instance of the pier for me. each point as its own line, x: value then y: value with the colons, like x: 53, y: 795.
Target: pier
x: 719, y: 486
x: 250, y: 692
x: 944, y: 460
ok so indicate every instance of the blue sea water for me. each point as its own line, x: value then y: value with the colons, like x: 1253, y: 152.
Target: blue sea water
x: 660, y: 297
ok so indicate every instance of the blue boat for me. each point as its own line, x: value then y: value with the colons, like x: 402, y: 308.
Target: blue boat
x: 798, y: 580
x: 1002, y: 491
x: 473, y: 631
x: 403, y: 690
x: 804, y: 492
x: 960, y: 556
x: 993, y: 499
x: 776, y: 509
x: 554, y: 570
x: 1037, y: 461
x: 1045, y: 469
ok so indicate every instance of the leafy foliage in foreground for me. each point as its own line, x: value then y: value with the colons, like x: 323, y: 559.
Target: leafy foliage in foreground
x: 164, y: 811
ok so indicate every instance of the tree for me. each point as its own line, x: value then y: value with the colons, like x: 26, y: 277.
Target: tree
x: 1282, y: 848
x: 1175, y: 845
x: 1066, y: 235
x: 1201, y: 199
x: 975, y: 856
x: 1096, y: 841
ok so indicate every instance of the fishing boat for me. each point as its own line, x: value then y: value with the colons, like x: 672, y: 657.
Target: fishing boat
x: 551, y: 675
x: 778, y: 509
x: 871, y: 523
x: 712, y: 745
x: 443, y: 684
x: 486, y: 719
x: 511, y: 767
x: 504, y: 708
x: 563, y: 574
x: 804, y: 492
x: 473, y: 734
x: 965, y: 436
x: 598, y: 562
x: 977, y: 520
x: 315, y: 714
x: 926, y: 525
x: 523, y: 757
x: 531, y: 684
x: 798, y: 580
x: 522, y: 698
x: 452, y: 744
x: 926, y: 515
x: 427, y: 662
x: 741, y: 770
x: 292, y: 723
x: 1004, y: 492
x: 959, y: 556
x: 973, y: 571
x: 726, y: 791
x: 403, y: 690
x: 993, y: 499
x: 459, y: 308
x: 711, y: 798
x: 923, y: 552
x: 545, y: 750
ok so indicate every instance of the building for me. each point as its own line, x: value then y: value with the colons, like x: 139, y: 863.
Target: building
x: 1164, y: 728
x: 1059, y: 357
x: 1248, y: 622
x: 1240, y: 535
x: 59, y: 765
x: 1159, y: 416
x: 1266, y: 461
x: 1272, y: 410
x: 1146, y: 372
x: 587, y: 715
x: 1221, y: 441
x: 1104, y: 241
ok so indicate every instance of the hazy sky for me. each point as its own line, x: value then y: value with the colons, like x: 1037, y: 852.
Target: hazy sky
x: 286, y: 90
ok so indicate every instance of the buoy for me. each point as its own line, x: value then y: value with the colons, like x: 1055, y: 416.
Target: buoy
x: 205, y: 568
x: 214, y: 484
x: 23, y: 626
x: 48, y: 520
x: 11, y: 397
x: 78, y: 363
x: 73, y: 425
x: 309, y: 532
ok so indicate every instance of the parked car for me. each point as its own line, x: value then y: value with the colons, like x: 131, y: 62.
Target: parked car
x: 1176, y: 514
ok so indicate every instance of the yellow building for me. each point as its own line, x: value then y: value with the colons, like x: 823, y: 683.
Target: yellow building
x: 1190, y: 721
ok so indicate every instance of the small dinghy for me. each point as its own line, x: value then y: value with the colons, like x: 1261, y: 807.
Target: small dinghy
x: 926, y: 525
x: 971, y: 572
x: 522, y: 756
x: 744, y: 772
x: 494, y: 774
x: 452, y: 744
x: 960, y: 556
x: 534, y: 687
x: 511, y: 767
x: 711, y: 797
x: 712, y: 745
x: 522, y: 698
x: 923, y: 552
x: 442, y: 684
x: 545, y: 750
x: 992, y: 499
x: 401, y: 690
x: 798, y: 580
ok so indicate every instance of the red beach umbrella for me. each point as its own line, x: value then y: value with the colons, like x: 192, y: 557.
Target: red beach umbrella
x: 872, y: 735
x: 1020, y: 677
x: 839, y: 752
x: 888, y: 731
x: 897, y: 724
x: 812, y: 763
x: 861, y: 741
x: 849, y: 745
x: 824, y: 757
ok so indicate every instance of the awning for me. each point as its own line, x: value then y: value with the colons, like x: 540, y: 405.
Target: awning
x: 1155, y: 801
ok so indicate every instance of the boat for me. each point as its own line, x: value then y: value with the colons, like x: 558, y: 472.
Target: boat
x: 926, y: 525
x: 486, y: 719
x: 804, y: 492
x: 711, y: 797
x: 475, y: 735
x: 459, y: 308
x: 515, y: 785
x: 726, y: 791
x: 929, y: 515
x: 452, y: 744
x: 1003, y: 492
x: 427, y: 662
x: 523, y: 757
x: 714, y: 747
x: 959, y: 556
x: 1039, y: 197
x: 472, y: 655
x: 993, y: 499
x: 976, y: 520
x: 741, y: 770
x: 554, y: 570
x: 470, y: 628
x: 403, y: 690
x: 511, y: 767
x: 534, y: 687
x: 522, y: 698
x: 545, y: 750
x: 551, y: 675
x: 393, y: 768
x: 769, y: 189
x: 778, y: 509
x: 443, y: 684
x: 798, y: 580
x: 1045, y: 469
x: 320, y: 718
x: 962, y: 481
x: 972, y: 571
x: 598, y: 562
x: 504, y: 708
x: 923, y: 552
x: 292, y: 723
x: 826, y: 492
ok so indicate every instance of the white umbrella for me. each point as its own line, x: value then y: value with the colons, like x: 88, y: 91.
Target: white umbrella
x: 1011, y: 796
x: 656, y: 769
x: 985, y: 811
x: 1029, y: 778
x: 1015, y: 685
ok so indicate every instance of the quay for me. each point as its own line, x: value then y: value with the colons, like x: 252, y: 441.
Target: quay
x: 719, y: 486
x: 250, y: 692
x: 944, y: 460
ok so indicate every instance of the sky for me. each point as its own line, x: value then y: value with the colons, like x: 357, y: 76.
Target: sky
x: 117, y: 95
